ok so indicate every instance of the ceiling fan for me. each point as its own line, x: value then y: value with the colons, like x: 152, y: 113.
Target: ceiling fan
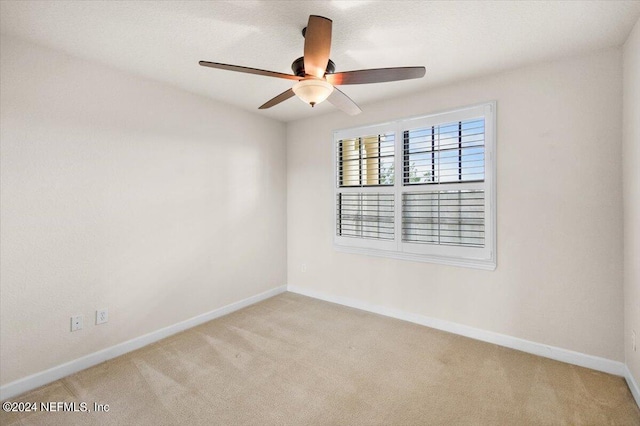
x: 315, y: 72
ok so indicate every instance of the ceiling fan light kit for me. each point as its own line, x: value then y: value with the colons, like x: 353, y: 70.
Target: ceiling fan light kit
x: 314, y: 72
x: 312, y: 91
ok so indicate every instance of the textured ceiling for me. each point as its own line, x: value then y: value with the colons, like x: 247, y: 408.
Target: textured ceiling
x: 164, y: 40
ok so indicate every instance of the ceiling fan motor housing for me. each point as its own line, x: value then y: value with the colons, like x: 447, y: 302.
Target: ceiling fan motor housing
x: 298, y: 67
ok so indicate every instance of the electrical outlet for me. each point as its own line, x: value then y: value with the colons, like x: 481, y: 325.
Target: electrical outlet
x: 76, y: 322
x: 102, y: 316
x: 633, y: 340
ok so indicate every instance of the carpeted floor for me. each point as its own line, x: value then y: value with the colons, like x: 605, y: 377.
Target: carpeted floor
x: 292, y: 360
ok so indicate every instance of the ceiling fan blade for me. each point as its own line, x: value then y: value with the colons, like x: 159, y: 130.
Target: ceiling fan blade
x: 248, y: 70
x: 378, y: 75
x: 317, y: 45
x: 280, y: 98
x: 343, y: 102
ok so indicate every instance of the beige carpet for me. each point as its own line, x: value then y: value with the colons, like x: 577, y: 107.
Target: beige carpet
x: 292, y: 360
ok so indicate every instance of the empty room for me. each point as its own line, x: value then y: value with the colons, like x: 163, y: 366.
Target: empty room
x: 319, y: 212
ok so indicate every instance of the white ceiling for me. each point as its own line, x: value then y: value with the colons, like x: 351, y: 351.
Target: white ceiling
x: 164, y: 40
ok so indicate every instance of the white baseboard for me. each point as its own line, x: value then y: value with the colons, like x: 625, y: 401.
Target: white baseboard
x: 42, y: 378
x: 633, y: 385
x: 559, y: 354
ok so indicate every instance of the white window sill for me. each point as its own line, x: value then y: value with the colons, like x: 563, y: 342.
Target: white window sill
x: 485, y: 264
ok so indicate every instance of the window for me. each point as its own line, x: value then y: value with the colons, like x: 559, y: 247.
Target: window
x: 439, y: 207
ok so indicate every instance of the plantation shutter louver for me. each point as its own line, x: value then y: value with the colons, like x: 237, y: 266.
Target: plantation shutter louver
x: 446, y: 153
x: 366, y: 162
x: 444, y: 217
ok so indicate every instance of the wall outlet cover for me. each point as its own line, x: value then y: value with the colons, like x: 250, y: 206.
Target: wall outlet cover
x: 76, y: 323
x: 102, y: 316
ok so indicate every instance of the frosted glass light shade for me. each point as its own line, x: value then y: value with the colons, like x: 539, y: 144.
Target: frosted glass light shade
x: 312, y: 91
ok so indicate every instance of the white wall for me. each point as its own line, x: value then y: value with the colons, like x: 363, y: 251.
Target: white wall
x: 631, y: 196
x: 559, y: 274
x: 124, y: 193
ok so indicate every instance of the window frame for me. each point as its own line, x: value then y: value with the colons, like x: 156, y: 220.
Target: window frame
x: 472, y: 257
